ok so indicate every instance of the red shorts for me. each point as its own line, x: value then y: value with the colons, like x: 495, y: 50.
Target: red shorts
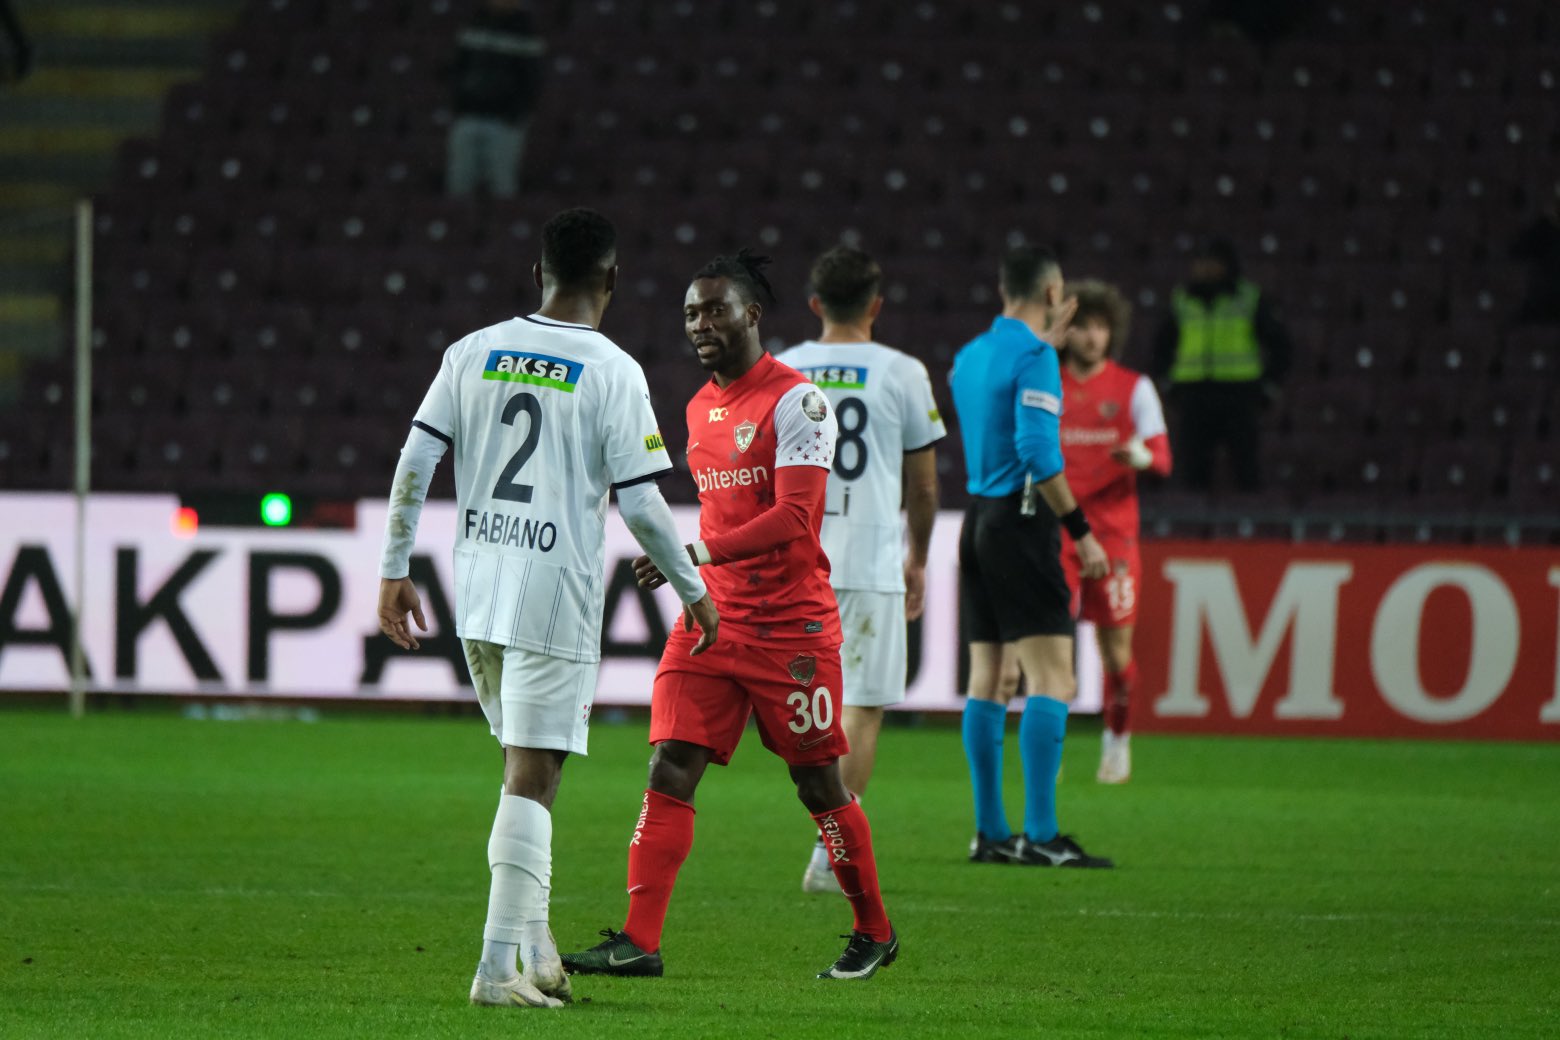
x: 706, y: 700
x: 1111, y: 601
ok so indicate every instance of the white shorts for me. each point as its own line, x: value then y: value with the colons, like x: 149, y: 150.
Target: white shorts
x: 873, y: 654
x: 532, y: 700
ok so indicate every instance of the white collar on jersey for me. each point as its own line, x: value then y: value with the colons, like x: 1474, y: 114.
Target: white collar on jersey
x: 554, y: 323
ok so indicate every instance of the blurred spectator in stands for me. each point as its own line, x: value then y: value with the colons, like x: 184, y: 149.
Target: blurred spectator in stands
x: 497, y: 76
x: 15, y: 50
x: 1263, y: 22
x: 1224, y: 353
x: 1539, y: 245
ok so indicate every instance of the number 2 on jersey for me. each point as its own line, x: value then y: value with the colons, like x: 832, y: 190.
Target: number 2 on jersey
x: 507, y: 488
x: 853, y: 431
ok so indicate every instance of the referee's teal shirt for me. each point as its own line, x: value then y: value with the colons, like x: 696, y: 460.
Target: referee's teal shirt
x: 1007, y: 389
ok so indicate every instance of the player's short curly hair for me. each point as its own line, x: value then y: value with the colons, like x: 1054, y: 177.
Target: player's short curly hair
x: 578, y: 246
x: 746, y: 272
x: 1098, y: 300
x: 846, y: 281
x: 1026, y: 269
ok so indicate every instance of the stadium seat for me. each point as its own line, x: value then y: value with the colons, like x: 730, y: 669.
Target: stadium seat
x: 291, y: 204
x: 1458, y: 474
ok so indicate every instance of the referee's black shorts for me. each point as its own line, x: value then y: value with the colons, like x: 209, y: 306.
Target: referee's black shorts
x: 1011, y: 583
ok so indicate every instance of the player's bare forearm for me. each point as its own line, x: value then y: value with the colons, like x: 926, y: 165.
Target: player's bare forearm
x: 921, y: 500
x: 1058, y: 494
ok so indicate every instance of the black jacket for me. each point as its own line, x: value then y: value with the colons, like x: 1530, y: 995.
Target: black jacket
x: 498, y: 66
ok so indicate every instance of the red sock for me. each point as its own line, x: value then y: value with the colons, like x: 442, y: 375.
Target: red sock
x: 662, y: 838
x: 848, y: 837
x: 1118, y: 698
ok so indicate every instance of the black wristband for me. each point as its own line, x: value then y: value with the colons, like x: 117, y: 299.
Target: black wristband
x: 1076, y: 523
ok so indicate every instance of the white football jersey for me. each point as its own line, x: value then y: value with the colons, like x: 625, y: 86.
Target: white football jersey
x: 545, y: 417
x: 883, y: 403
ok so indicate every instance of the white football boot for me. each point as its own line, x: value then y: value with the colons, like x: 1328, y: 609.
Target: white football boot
x: 819, y: 879
x: 547, y: 974
x: 515, y: 992
x: 1115, y: 759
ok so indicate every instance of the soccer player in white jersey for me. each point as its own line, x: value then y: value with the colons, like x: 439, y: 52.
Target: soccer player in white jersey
x: 545, y: 415
x: 888, y: 428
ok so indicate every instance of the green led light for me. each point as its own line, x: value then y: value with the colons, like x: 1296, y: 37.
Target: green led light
x: 276, y: 510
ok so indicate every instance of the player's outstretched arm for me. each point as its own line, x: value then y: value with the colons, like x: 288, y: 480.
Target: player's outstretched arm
x: 397, y: 595
x: 649, y: 520
x: 796, y: 489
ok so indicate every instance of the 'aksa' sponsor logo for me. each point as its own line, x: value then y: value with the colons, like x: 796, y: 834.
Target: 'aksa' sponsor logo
x: 837, y: 377
x: 513, y: 366
x: 714, y: 479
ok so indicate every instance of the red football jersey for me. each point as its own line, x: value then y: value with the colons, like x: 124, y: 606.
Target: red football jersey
x: 1099, y: 415
x: 737, y: 437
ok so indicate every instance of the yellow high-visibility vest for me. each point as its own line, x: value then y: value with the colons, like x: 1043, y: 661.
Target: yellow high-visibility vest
x: 1218, y: 340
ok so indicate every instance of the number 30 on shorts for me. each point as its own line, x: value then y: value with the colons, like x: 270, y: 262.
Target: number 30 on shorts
x: 815, y: 711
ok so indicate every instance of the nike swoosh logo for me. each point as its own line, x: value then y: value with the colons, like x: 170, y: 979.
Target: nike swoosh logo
x: 695, y: 444
x: 1066, y: 857
x: 804, y: 745
x: 612, y: 959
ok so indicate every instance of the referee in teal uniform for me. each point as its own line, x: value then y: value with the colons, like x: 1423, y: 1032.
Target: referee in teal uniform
x: 1013, y: 595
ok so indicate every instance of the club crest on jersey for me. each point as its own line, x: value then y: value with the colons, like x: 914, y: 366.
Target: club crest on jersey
x: 514, y: 366
x: 1108, y: 409
x: 744, y: 434
x: 815, y: 406
x: 803, y: 668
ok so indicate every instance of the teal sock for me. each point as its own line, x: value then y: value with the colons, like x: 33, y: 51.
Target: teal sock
x: 1040, y: 734
x: 983, y: 725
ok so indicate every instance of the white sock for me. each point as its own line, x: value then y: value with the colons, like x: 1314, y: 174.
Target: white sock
x: 537, y: 946
x: 520, y: 855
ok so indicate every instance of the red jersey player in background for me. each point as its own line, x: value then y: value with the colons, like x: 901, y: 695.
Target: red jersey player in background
x: 1112, y: 427
x: 760, y: 444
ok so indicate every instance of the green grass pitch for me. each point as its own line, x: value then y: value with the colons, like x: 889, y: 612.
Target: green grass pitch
x: 165, y: 877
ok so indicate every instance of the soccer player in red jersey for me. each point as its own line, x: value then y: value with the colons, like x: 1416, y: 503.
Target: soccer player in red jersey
x: 760, y: 444
x: 1113, y: 428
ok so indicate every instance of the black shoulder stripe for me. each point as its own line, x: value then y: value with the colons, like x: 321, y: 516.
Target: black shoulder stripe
x: 657, y: 475
x: 929, y: 444
x: 425, y: 428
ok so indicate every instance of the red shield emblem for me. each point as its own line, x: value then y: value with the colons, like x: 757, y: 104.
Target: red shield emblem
x: 744, y: 434
x: 803, y: 668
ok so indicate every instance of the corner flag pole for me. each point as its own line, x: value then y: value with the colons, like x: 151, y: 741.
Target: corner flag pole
x: 78, y: 660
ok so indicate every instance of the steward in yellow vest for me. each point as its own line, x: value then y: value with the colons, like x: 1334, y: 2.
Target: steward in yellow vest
x: 1222, y: 353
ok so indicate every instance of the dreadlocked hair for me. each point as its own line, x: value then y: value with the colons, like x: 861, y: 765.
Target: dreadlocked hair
x: 746, y: 272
